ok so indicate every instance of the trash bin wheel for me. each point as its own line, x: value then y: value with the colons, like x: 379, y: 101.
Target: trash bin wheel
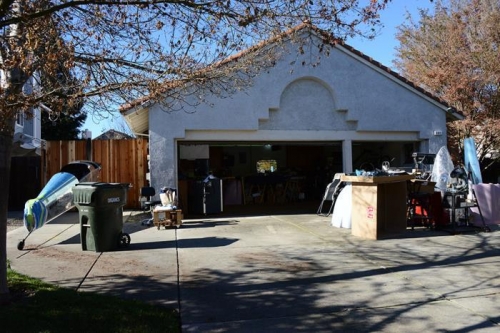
x: 20, y: 245
x: 124, y: 239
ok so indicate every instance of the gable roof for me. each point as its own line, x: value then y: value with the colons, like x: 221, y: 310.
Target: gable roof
x: 136, y: 112
x: 113, y: 135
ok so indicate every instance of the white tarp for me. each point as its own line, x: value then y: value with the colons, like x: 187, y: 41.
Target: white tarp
x: 342, y: 211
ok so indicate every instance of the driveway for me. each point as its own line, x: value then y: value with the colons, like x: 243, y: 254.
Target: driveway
x: 282, y: 273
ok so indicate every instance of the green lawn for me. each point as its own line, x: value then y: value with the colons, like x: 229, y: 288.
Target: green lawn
x: 40, y: 307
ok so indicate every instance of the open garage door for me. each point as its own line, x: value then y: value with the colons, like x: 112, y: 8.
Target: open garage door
x: 265, y: 177
x: 261, y: 176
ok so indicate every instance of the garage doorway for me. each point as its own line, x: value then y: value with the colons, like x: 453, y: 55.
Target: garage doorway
x: 272, y: 177
x: 260, y: 177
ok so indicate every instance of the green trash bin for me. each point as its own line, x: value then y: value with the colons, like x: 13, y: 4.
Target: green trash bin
x: 100, y: 208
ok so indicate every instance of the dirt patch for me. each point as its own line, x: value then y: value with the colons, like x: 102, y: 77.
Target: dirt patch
x: 136, y: 216
x: 14, y: 222
x: 59, y: 255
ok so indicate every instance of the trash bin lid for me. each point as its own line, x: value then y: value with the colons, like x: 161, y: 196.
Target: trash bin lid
x: 100, y: 193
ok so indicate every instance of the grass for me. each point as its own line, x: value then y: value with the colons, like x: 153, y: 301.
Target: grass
x: 40, y: 307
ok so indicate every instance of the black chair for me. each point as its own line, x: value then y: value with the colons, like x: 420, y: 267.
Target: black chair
x: 148, y: 204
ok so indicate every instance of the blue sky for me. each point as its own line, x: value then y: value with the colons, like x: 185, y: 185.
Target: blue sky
x: 99, y: 126
x: 381, y: 49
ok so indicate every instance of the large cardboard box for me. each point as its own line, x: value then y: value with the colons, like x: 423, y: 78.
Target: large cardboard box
x: 378, y: 205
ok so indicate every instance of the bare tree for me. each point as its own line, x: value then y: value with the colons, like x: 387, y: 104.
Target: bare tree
x: 122, y: 51
x: 454, y: 53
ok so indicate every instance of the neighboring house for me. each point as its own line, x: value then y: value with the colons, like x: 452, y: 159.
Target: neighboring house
x: 26, y: 166
x: 28, y: 131
x: 113, y: 135
x: 27, y: 141
x: 309, y: 122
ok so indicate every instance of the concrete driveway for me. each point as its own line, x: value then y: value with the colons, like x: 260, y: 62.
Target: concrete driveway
x: 282, y: 273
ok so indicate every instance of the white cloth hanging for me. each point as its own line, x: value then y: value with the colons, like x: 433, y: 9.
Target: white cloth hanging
x: 342, y: 212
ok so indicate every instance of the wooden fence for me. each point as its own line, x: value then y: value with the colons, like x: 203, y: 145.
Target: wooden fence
x: 122, y: 161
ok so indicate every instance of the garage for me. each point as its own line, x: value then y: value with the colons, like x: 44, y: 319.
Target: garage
x: 293, y: 128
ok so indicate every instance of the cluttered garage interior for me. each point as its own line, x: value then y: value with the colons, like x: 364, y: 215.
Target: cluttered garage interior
x: 274, y: 176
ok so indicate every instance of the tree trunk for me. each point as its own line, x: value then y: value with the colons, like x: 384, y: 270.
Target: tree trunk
x: 6, y: 142
x: 12, y: 86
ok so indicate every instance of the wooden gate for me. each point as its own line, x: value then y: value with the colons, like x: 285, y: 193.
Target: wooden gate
x: 122, y: 161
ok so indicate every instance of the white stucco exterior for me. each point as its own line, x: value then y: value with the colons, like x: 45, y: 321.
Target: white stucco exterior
x: 27, y: 130
x: 346, y: 98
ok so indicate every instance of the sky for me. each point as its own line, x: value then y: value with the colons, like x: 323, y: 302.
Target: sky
x: 381, y: 49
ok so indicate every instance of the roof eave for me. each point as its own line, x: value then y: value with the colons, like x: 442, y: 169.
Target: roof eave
x: 137, y: 119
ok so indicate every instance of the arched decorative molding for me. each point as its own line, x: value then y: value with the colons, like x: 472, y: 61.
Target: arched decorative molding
x: 306, y: 103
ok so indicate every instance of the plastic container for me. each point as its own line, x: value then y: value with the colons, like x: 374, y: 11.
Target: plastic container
x: 100, y: 208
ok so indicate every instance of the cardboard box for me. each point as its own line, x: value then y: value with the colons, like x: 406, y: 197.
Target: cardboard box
x: 167, y: 217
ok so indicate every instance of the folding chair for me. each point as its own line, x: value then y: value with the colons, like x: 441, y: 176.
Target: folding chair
x: 331, y: 193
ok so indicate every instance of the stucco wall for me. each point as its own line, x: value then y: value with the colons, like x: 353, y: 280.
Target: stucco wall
x: 344, y: 98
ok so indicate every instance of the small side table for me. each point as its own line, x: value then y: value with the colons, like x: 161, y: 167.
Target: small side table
x: 167, y: 217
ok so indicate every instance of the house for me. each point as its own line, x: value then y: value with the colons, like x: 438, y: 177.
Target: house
x: 26, y: 174
x: 28, y: 131
x: 307, y: 122
x: 113, y: 135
